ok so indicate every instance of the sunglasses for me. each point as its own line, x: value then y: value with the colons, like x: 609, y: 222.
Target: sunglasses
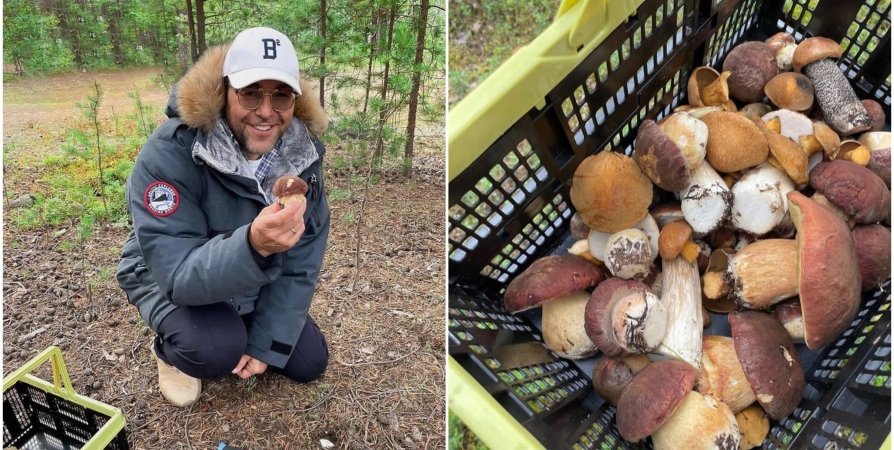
x: 251, y: 97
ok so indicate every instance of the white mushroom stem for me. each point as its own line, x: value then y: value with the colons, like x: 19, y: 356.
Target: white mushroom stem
x: 636, y: 320
x: 681, y: 295
x: 759, y: 202
x: 722, y: 375
x: 706, y: 201
x: 700, y: 422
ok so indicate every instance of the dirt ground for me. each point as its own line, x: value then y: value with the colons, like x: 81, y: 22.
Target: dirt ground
x: 384, y: 387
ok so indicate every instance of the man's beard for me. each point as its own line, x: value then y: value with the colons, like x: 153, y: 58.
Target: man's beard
x: 248, y: 149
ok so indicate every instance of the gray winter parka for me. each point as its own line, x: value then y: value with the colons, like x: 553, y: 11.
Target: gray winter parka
x: 193, y: 197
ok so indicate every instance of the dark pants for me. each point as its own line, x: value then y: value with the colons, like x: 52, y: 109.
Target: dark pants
x: 207, y: 342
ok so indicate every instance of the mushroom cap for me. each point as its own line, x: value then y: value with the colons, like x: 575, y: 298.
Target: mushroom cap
x: 672, y: 238
x: 829, y: 278
x: 563, y: 326
x: 779, y: 40
x: 597, y: 309
x: 790, y: 90
x: 579, y: 230
x: 610, y: 192
x: 854, y: 189
x: 548, y: 278
x: 769, y: 360
x: 877, y: 113
x: 701, y: 77
x: 876, y: 140
x: 701, y: 422
x: 828, y: 138
x: 660, y: 158
x: 814, y: 49
x: 289, y: 185
x: 666, y: 213
x: 873, y: 244
x: 734, y: 142
x: 610, y: 376
x: 793, y: 124
x: 652, y: 396
x: 722, y: 376
x: 880, y: 164
x: 753, y: 426
x: 752, y: 64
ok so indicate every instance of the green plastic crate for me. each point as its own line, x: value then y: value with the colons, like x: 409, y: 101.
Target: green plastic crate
x: 581, y: 87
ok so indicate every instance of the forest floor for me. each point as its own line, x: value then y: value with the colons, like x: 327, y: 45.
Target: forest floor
x: 385, y: 384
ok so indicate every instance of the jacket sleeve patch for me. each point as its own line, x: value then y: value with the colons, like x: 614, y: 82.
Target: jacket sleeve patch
x: 161, y: 198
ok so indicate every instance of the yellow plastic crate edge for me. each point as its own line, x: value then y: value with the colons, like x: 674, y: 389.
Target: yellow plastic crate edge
x: 523, y: 81
x: 482, y: 414
x: 61, y: 386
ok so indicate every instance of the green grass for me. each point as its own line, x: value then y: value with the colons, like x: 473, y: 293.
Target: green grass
x: 459, y: 437
x: 484, y: 34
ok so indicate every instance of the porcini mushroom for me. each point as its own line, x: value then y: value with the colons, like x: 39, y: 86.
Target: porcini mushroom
x: 700, y: 422
x: 783, y: 46
x: 722, y: 376
x: 759, y: 202
x: 734, y: 142
x: 753, y: 426
x: 548, y: 278
x: 667, y: 152
x: 752, y: 64
x: 842, y: 110
x: 563, y: 326
x: 289, y: 189
x: 873, y: 244
x: 628, y: 254
x: 681, y: 296
x: 769, y: 360
x: 828, y: 275
x: 676, y: 238
x: 623, y: 317
x: 789, y: 314
x: 611, y: 375
x: 875, y: 110
x: 854, y: 189
x: 761, y: 274
x: 790, y: 90
x: 706, y: 202
x: 610, y: 192
x: 652, y: 396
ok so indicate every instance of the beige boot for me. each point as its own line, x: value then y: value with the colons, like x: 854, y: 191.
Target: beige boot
x: 180, y: 389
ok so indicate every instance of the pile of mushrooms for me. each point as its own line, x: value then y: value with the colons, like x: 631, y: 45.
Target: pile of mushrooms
x: 766, y: 198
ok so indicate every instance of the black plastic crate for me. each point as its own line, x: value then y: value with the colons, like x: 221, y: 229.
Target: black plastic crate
x: 38, y: 415
x: 510, y: 205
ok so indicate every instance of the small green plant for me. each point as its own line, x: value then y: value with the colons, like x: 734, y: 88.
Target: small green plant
x: 460, y: 437
x: 349, y: 218
x: 85, y: 228
x: 337, y: 194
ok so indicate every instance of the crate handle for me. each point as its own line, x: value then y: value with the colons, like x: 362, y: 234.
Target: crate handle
x: 594, y: 17
x: 61, y: 381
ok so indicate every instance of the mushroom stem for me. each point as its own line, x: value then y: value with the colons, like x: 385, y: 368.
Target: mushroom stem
x: 836, y: 98
x: 764, y: 273
x: 706, y: 201
x: 759, y: 202
x: 681, y: 295
x: 722, y: 375
x: 700, y: 422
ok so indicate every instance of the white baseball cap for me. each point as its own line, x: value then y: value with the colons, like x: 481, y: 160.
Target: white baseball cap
x: 261, y: 54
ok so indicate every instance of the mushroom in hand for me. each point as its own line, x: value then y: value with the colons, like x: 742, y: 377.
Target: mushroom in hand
x: 289, y: 189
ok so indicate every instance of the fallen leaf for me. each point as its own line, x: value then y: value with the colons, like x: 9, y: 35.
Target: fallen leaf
x: 225, y: 428
x: 326, y: 444
x: 367, y: 350
x: 401, y: 313
x: 108, y: 356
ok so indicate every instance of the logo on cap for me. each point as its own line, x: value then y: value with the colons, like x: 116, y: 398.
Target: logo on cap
x: 270, y: 48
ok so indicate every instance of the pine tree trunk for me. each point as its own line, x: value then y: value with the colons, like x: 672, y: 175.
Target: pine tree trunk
x: 191, y: 21
x: 323, y: 52
x: 414, y: 94
x: 377, y: 156
x: 200, y: 25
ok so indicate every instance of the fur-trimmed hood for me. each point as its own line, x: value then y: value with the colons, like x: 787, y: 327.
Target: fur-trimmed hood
x: 201, y: 94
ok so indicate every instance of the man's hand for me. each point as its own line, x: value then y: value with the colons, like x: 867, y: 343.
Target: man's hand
x: 272, y: 231
x: 249, y: 366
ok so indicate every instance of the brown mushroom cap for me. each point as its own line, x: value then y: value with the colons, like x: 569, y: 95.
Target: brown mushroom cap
x: 828, y: 138
x: 814, y: 49
x: 579, y: 230
x: 611, y: 375
x: 610, y: 192
x: 289, y: 188
x: 660, y: 158
x: 779, y: 40
x: 873, y: 244
x: 752, y: 64
x: 734, y: 142
x: 666, y: 213
x: 672, y: 238
x: 877, y: 113
x: 854, y: 189
x: 701, y: 77
x: 829, y: 278
x: 550, y: 277
x: 597, y: 308
x: 790, y: 90
x: 652, y: 396
x: 769, y: 360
